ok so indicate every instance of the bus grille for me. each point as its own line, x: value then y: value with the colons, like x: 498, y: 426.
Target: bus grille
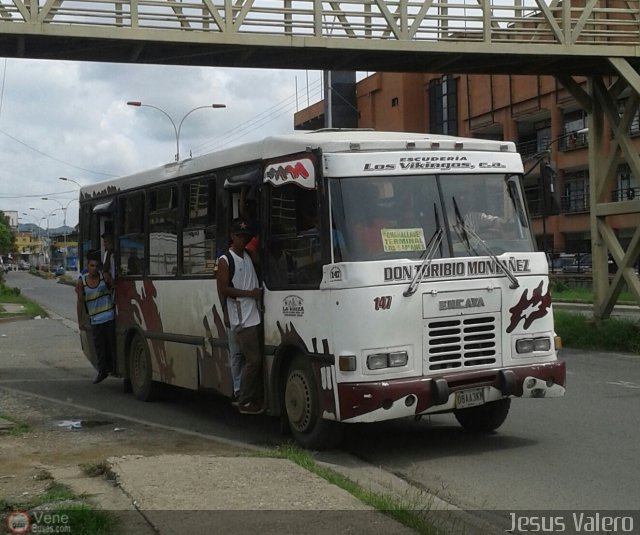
x: 461, y: 342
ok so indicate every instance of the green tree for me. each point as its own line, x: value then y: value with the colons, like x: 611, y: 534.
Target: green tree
x: 7, y: 239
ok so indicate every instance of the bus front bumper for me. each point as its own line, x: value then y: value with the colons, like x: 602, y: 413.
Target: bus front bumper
x: 387, y: 400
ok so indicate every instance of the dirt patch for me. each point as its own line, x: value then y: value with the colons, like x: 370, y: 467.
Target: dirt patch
x: 28, y: 454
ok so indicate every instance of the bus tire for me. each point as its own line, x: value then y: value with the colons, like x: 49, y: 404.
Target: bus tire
x: 484, y: 418
x: 302, y: 408
x: 142, y: 386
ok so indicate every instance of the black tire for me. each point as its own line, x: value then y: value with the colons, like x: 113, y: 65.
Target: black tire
x: 302, y: 408
x: 484, y: 418
x: 142, y: 386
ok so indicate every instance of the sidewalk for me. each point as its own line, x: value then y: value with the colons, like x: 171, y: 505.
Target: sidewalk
x: 171, y: 494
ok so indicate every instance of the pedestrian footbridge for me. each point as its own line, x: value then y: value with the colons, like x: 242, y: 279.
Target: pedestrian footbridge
x: 484, y: 36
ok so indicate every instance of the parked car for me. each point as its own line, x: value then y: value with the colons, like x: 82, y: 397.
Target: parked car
x: 58, y: 271
x: 22, y: 265
x: 581, y: 264
x: 558, y: 263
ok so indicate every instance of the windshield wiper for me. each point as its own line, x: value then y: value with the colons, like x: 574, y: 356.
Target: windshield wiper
x: 514, y: 282
x: 460, y: 225
x: 429, y: 252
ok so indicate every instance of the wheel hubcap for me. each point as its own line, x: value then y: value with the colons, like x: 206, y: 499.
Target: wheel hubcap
x: 139, y: 364
x: 298, y: 401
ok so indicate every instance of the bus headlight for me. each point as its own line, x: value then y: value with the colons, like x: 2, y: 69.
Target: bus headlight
x: 396, y: 359
x: 529, y: 345
x: 541, y: 344
x: 525, y: 345
x: 377, y: 361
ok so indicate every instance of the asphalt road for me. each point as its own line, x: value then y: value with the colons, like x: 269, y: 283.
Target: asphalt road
x: 577, y: 452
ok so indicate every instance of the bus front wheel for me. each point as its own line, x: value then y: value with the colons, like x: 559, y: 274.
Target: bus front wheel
x: 303, y: 409
x: 142, y: 386
x: 484, y: 418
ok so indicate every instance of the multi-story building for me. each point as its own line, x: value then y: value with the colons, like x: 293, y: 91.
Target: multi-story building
x: 544, y: 120
x: 29, y: 247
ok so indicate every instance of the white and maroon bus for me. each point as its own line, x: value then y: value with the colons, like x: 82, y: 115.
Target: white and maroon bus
x: 399, y: 270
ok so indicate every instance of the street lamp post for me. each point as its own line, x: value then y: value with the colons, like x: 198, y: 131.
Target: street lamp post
x: 70, y: 180
x: 177, y: 129
x: 64, y: 226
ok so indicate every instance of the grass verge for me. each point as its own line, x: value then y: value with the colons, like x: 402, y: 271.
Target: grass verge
x: 408, y: 512
x: 579, y: 331
x: 19, y: 428
x: 60, y: 510
x: 562, y: 293
x: 12, y: 296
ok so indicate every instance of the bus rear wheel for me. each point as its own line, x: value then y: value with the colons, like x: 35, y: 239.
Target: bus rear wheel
x: 142, y: 386
x: 303, y: 409
x: 484, y: 418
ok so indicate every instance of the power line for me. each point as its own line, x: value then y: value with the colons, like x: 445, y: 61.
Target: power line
x: 243, y: 129
x: 33, y: 195
x: 229, y: 140
x: 286, y: 105
x: 54, y: 158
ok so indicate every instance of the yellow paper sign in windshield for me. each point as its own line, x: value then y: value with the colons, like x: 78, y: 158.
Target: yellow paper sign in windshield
x: 402, y: 239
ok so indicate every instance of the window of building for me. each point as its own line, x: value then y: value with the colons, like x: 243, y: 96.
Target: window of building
x: 394, y: 102
x: 443, y: 112
x: 131, y: 240
x: 543, y: 139
x: 634, y: 128
x: 574, y: 121
x: 575, y: 135
x: 576, y: 192
x: 625, y: 190
x: 163, y: 231
x: 534, y: 202
x: 199, y: 228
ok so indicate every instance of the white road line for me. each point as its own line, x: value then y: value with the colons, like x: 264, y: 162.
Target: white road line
x: 624, y: 384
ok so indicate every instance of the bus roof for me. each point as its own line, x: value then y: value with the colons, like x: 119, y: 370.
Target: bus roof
x: 328, y: 140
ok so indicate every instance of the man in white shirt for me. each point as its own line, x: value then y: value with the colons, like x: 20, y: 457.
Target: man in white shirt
x: 240, y: 294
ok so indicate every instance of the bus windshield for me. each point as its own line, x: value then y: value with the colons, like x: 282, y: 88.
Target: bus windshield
x: 396, y: 216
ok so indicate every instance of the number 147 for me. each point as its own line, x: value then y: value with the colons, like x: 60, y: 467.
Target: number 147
x: 382, y: 303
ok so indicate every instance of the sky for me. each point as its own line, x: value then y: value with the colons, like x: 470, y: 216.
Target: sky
x: 71, y: 119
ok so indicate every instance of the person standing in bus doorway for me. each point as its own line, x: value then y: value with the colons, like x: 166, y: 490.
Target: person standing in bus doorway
x: 240, y: 291
x: 94, y: 298
x: 109, y: 261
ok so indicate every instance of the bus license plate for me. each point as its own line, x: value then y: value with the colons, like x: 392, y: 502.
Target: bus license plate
x: 469, y: 398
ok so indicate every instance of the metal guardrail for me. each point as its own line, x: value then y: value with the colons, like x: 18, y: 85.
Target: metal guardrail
x: 606, y: 26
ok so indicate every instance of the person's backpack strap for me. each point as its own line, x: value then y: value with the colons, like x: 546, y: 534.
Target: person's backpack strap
x: 232, y: 266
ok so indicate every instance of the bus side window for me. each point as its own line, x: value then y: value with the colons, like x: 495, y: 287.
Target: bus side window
x: 294, y: 238
x: 199, y: 227
x: 131, y: 241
